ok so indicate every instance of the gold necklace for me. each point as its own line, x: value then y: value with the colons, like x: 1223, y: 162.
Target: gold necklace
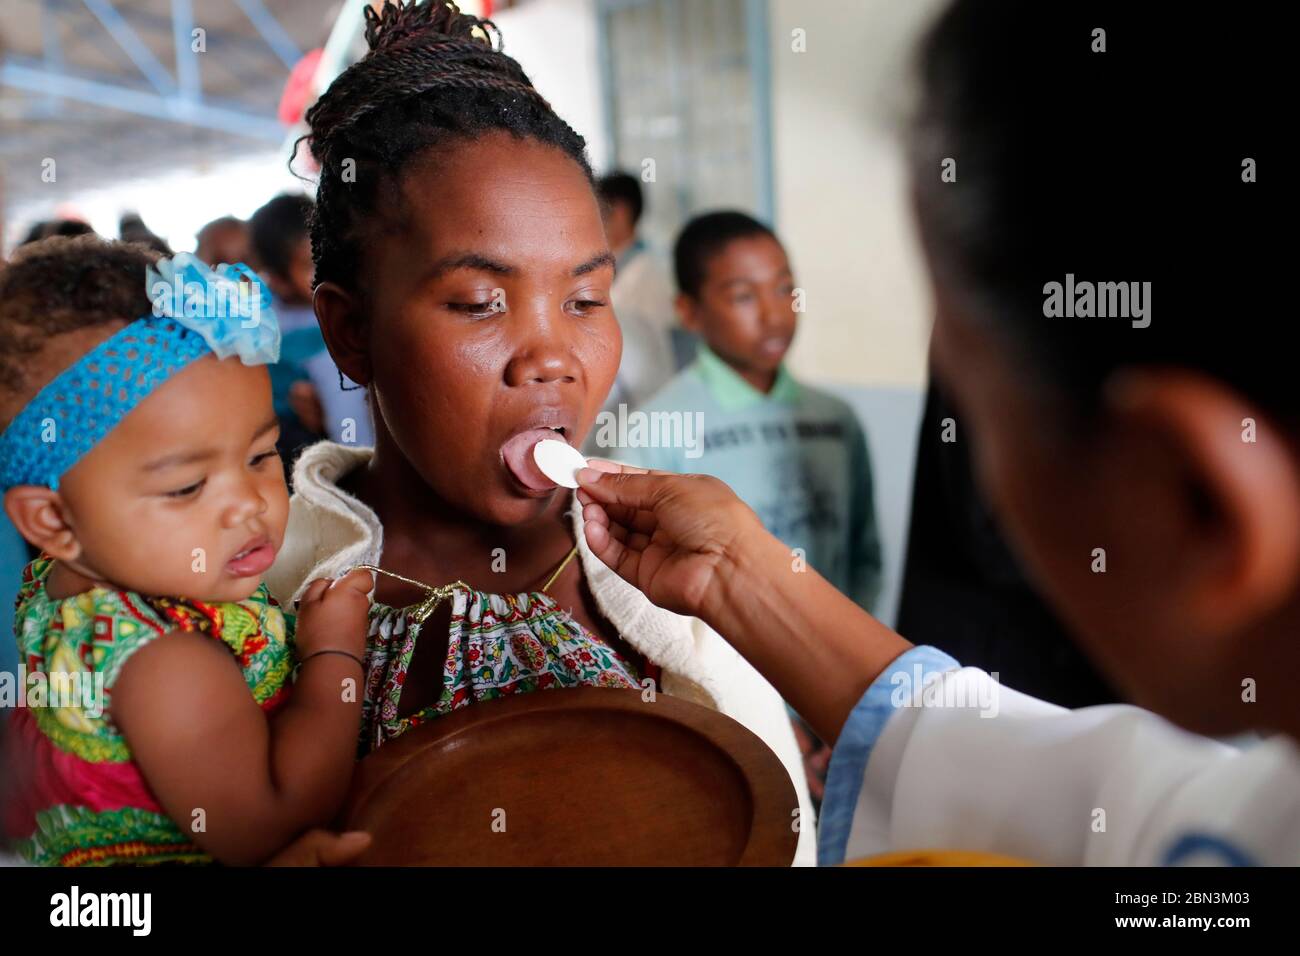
x: 434, y: 596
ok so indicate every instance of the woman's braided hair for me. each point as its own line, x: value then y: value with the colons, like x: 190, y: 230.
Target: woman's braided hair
x: 432, y: 75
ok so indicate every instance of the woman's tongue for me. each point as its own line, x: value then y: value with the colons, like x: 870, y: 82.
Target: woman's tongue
x: 518, y: 455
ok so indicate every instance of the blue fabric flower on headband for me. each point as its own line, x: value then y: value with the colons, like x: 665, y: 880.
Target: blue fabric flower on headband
x: 230, y: 307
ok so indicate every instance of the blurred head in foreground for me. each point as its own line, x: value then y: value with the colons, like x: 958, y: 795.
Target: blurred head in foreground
x: 1088, y: 208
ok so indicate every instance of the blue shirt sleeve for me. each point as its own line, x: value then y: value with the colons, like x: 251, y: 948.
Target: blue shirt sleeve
x: 856, y: 741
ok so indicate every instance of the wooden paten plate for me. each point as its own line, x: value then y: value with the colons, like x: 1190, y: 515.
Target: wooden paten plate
x: 584, y: 776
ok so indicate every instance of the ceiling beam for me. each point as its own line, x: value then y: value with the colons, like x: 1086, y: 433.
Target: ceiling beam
x: 250, y: 50
x: 274, y: 34
x: 174, y: 108
x: 187, y: 64
x: 132, y: 45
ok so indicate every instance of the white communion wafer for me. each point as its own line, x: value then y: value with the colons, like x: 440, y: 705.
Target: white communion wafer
x: 559, y: 461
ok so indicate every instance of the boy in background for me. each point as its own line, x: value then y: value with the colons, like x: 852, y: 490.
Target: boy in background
x: 795, y: 454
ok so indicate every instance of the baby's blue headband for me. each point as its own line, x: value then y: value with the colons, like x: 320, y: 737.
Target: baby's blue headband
x: 196, y: 311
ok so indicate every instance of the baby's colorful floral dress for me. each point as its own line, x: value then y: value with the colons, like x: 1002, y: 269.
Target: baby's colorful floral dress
x: 498, y: 644
x: 78, y: 798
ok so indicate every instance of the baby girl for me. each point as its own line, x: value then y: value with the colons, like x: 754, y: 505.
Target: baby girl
x: 138, y: 456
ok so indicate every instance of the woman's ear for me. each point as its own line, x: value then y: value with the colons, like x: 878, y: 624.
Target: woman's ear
x: 1242, y: 507
x: 38, y: 514
x: 344, y: 330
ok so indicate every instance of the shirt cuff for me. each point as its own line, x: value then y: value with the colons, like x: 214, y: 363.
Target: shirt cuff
x: 857, y: 740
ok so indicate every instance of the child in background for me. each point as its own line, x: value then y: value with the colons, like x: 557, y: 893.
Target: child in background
x: 56, y: 227
x: 793, y: 453
x: 311, y: 400
x: 131, y: 228
x: 222, y: 240
x: 138, y: 454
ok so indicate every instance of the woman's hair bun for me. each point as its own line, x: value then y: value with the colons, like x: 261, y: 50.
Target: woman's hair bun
x: 417, y: 47
x: 398, y: 22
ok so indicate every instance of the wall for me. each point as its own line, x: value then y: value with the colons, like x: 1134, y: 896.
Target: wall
x: 555, y: 42
x: 841, y: 193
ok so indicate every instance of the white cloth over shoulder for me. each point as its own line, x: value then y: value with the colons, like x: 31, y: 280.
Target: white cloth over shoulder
x: 965, y: 763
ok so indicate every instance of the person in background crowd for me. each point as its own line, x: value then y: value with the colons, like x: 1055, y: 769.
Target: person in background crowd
x: 223, y: 240
x: 282, y: 256
x: 55, y: 227
x: 642, y: 296
x: 311, y: 399
x: 131, y: 228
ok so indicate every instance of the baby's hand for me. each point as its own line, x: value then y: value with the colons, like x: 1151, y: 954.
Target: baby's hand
x: 332, y: 614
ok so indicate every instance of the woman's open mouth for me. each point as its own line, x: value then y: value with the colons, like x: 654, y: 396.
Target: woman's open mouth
x: 517, y: 453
